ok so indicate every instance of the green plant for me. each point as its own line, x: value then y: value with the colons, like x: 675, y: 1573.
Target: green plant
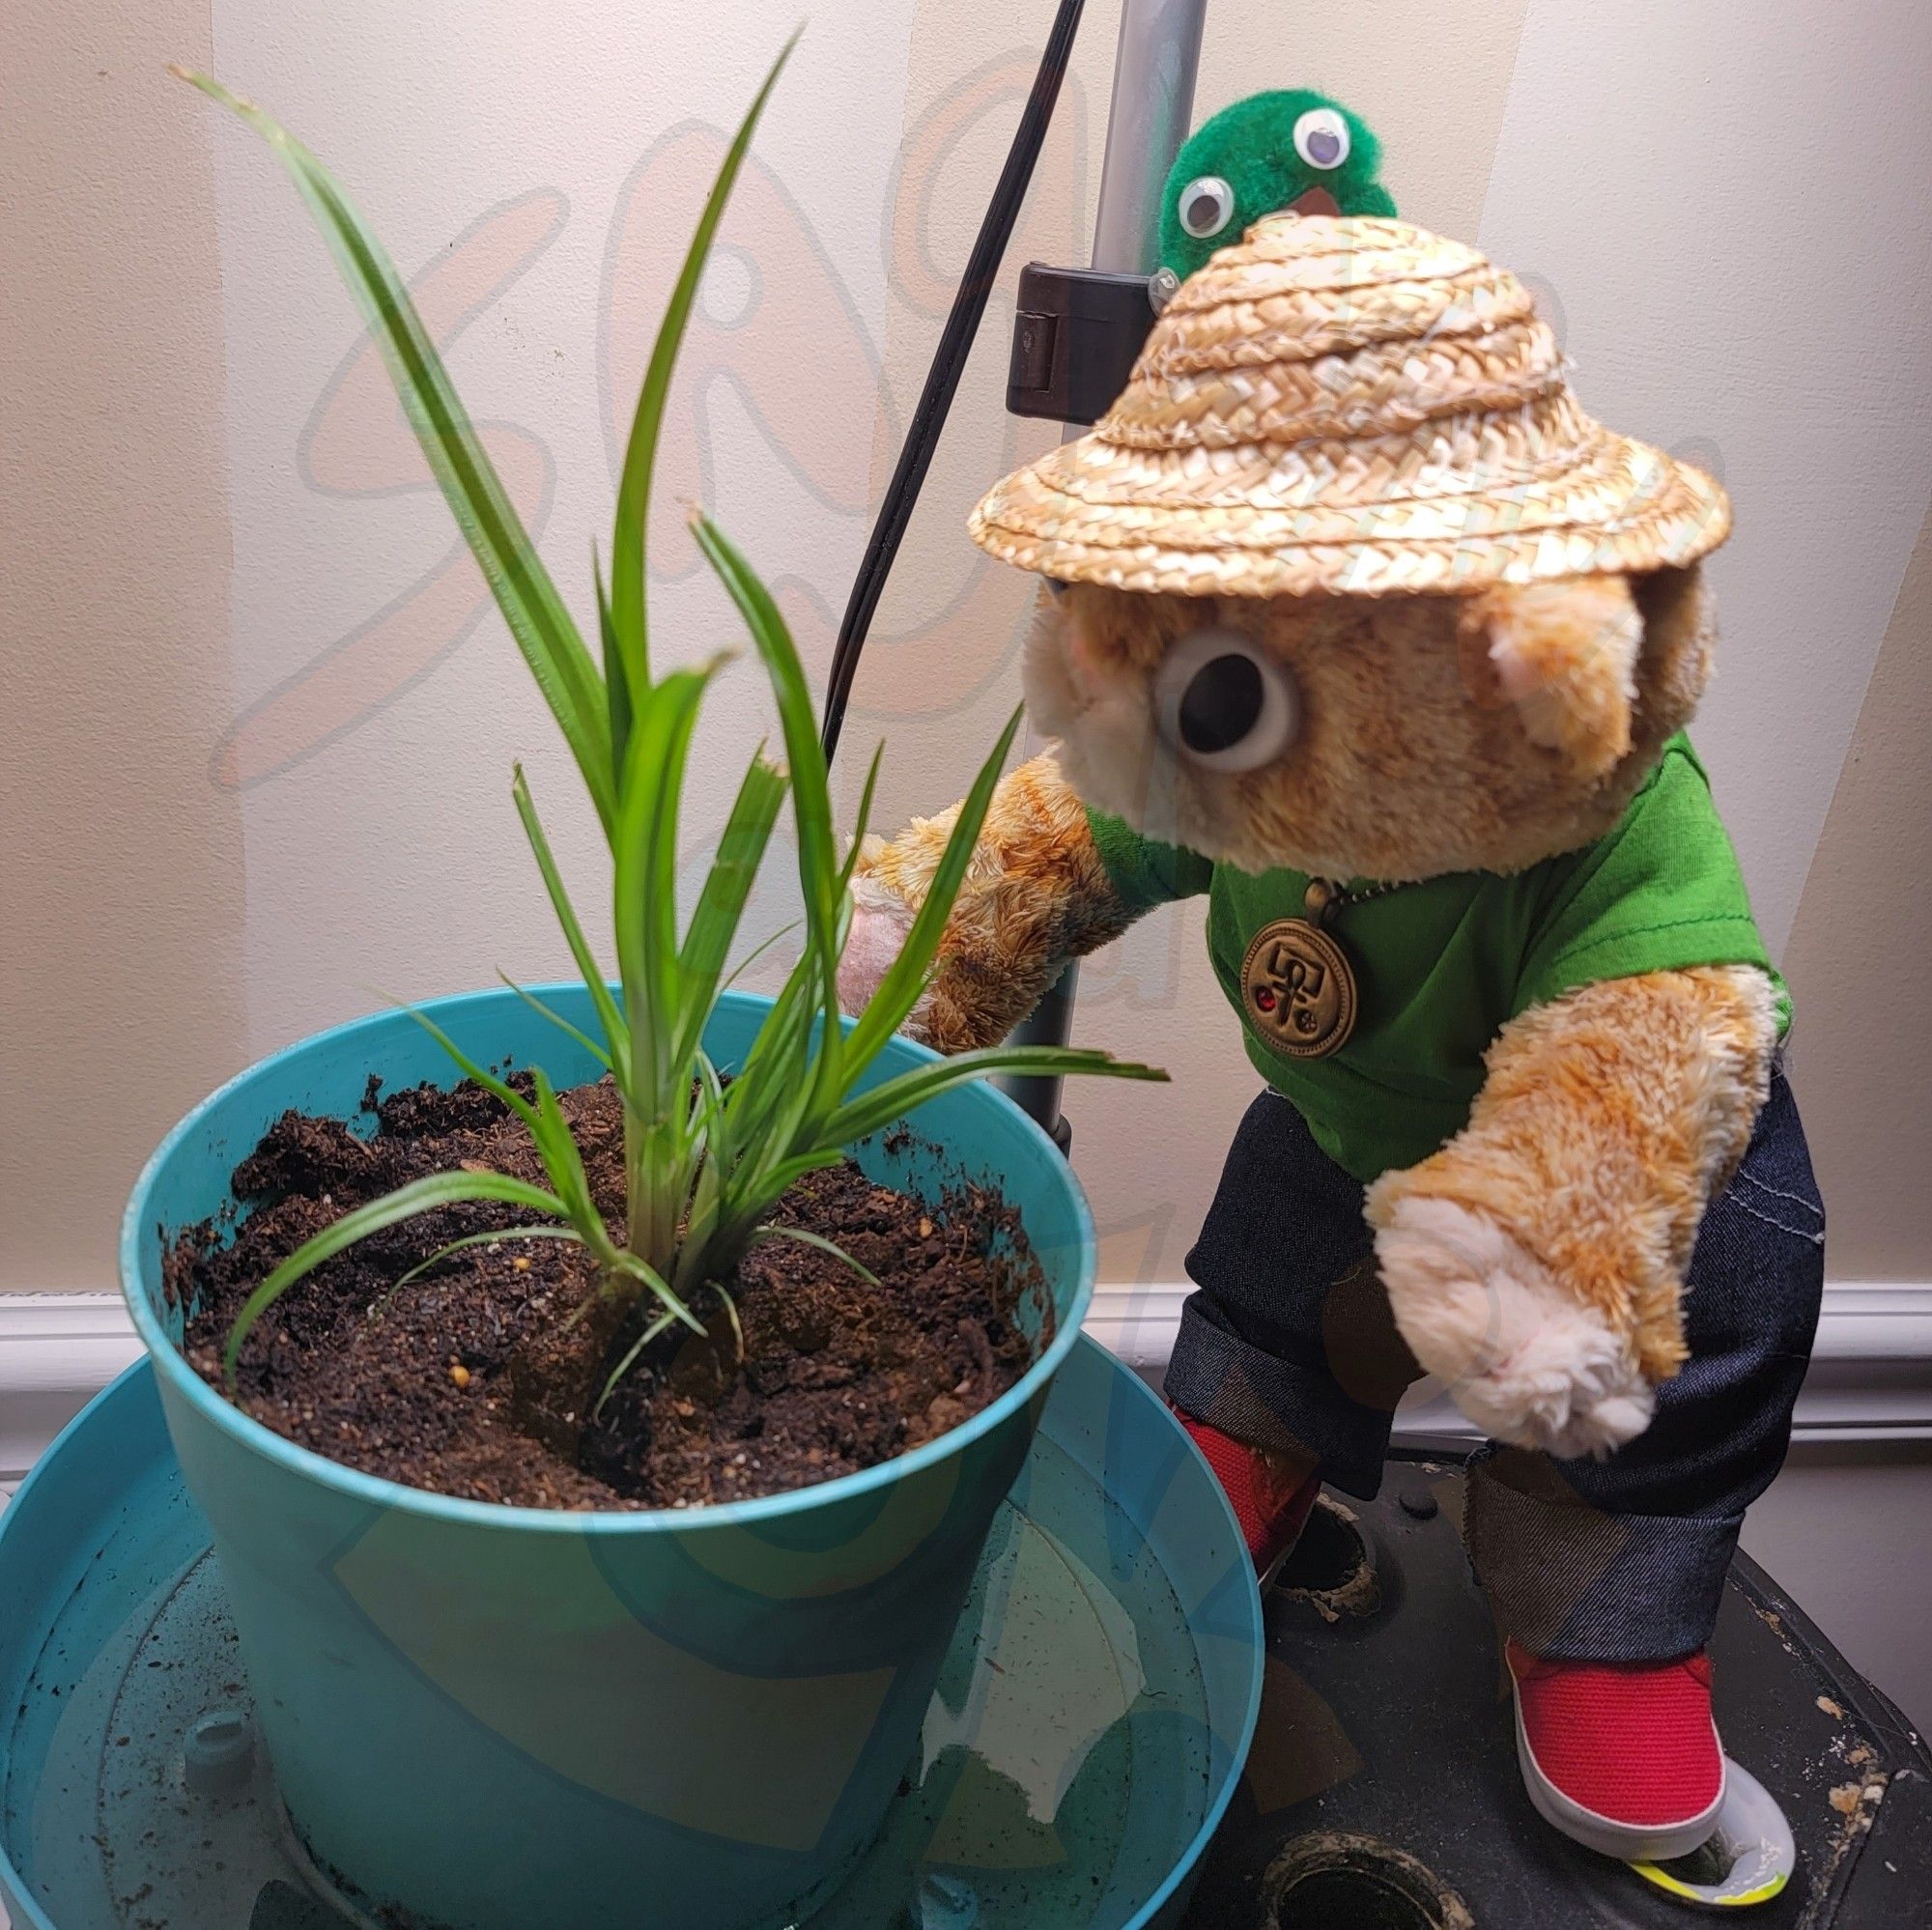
x: 709, y: 1150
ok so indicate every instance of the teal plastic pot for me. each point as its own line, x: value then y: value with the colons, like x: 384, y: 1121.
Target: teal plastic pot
x: 497, y: 1718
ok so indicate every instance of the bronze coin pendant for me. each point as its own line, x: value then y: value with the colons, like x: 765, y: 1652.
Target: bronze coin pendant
x: 1299, y: 989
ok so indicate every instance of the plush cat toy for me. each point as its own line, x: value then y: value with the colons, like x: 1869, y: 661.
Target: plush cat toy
x: 1361, y: 627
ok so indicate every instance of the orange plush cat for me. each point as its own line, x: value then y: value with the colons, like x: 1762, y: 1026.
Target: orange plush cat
x: 1361, y: 627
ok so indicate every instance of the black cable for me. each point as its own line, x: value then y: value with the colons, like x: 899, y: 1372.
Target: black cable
x: 948, y: 364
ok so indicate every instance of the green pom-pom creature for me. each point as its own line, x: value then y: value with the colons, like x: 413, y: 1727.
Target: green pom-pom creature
x: 1289, y: 149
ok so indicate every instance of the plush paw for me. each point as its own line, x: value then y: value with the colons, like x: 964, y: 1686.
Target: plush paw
x: 1526, y: 1361
x: 880, y: 921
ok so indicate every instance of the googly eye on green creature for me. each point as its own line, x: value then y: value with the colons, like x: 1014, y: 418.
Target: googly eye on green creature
x: 1292, y: 149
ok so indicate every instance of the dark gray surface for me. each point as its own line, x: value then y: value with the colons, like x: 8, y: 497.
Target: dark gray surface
x: 1392, y: 1722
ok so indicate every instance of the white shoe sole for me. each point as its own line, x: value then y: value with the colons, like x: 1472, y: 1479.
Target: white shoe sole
x: 1627, y: 1842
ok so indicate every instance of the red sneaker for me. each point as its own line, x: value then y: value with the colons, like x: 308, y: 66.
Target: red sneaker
x: 1622, y: 1757
x: 1272, y: 1502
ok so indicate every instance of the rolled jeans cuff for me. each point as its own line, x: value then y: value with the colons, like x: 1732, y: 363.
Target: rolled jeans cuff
x: 1573, y: 1582
x: 1258, y: 1397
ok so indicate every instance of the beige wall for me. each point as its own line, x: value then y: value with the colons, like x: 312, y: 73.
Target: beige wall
x: 120, y: 881
x: 1859, y: 964
x: 246, y: 799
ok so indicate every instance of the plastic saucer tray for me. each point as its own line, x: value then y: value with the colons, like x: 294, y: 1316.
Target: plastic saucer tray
x: 1089, y: 1728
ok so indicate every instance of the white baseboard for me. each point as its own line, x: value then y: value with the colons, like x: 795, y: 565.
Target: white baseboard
x: 57, y: 1350
x: 1870, y: 1379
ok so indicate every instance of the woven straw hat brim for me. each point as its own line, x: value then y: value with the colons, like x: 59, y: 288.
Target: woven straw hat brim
x: 1348, y: 406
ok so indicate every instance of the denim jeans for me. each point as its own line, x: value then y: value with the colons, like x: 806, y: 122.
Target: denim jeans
x: 1290, y: 1342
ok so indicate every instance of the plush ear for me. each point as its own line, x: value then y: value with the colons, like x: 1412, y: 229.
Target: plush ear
x: 1564, y: 655
x: 1680, y: 634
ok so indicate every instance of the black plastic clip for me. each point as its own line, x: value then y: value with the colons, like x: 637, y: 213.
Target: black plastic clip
x: 1075, y: 340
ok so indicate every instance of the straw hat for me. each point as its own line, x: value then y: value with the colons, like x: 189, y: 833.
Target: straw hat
x: 1348, y: 406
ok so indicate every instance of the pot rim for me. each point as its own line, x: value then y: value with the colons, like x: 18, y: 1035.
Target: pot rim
x: 375, y: 1491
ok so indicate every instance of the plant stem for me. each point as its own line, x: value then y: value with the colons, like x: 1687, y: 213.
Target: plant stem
x: 654, y: 1202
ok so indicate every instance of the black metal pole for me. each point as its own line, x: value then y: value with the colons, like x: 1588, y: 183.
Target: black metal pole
x: 948, y: 364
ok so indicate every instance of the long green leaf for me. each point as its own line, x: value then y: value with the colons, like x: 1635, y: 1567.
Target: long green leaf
x: 905, y: 978
x: 780, y: 1019
x: 752, y: 1198
x: 406, y: 1203
x: 629, y: 619
x: 642, y: 1271
x: 756, y: 952
x: 644, y: 884
x: 721, y: 904
x: 476, y: 1074
x: 807, y: 1238
x: 773, y: 1087
x: 548, y: 1130
x: 711, y: 1089
x: 892, y: 1099
x: 819, y: 870
x: 617, y: 1032
x: 863, y: 821
x: 494, y: 1238
x: 557, y: 1019
x: 728, y: 1301
x: 531, y: 607
x: 616, y: 677
x: 662, y: 1324
x: 564, y: 1162
x: 811, y: 795
x: 718, y: 1161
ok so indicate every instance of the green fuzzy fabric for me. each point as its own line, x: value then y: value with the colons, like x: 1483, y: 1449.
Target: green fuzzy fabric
x: 1251, y: 147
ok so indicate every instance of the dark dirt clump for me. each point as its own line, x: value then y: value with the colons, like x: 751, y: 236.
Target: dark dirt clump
x: 431, y: 1384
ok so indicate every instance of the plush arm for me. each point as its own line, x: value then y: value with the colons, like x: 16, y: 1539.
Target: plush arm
x: 1036, y: 894
x: 1536, y: 1264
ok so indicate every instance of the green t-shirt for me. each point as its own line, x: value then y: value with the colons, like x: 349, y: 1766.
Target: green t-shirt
x: 1442, y: 965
